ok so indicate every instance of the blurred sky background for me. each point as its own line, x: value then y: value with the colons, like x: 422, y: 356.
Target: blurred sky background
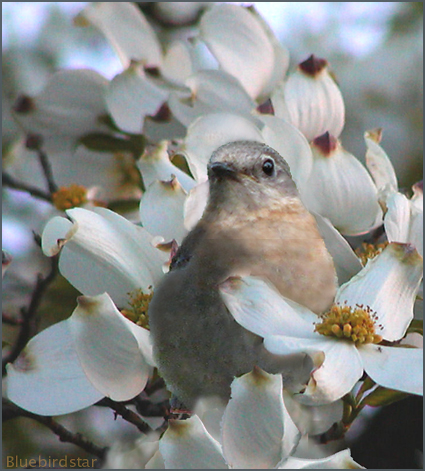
x: 376, y: 53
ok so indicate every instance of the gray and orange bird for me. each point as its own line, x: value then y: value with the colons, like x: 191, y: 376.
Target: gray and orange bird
x: 254, y: 224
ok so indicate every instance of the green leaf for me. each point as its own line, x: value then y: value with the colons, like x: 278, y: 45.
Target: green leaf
x: 124, y: 206
x: 416, y: 326
x: 367, y: 384
x: 383, y: 397
x: 102, y: 142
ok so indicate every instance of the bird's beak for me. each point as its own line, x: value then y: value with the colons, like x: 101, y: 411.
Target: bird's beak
x: 221, y: 170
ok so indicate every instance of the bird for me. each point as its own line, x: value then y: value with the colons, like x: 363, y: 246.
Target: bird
x: 254, y: 224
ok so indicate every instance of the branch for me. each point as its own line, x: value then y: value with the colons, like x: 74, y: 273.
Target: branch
x: 9, y: 320
x: 125, y: 413
x: 148, y: 409
x: 10, y: 182
x: 47, y: 170
x: 11, y: 411
x: 28, y: 314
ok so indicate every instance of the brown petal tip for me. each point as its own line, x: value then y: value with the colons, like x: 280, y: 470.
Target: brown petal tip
x: 313, y: 65
x: 266, y: 107
x: 326, y: 143
x: 375, y: 135
x: 24, y: 104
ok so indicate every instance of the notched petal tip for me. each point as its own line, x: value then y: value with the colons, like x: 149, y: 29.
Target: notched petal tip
x: 313, y: 65
x: 258, y: 377
x: 406, y: 253
x: 178, y: 428
x: 266, y: 107
x: 326, y: 144
x: 24, y: 104
x: 173, y: 184
x: 89, y: 304
x: 374, y: 134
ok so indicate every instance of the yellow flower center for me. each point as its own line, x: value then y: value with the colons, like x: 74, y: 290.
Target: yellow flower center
x: 355, y: 324
x: 69, y: 197
x: 139, y: 305
x: 368, y: 251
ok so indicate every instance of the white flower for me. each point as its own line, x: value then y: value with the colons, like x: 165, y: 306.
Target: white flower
x: 256, y: 432
x: 209, y: 91
x: 403, y: 220
x: 69, y: 108
x: 379, y: 164
x: 100, y: 251
x: 381, y: 295
x: 311, y: 100
x: 126, y: 29
x: 162, y: 210
x: 71, y: 365
x: 97, y: 352
x: 131, y: 96
x: 244, y: 47
x: 340, y: 188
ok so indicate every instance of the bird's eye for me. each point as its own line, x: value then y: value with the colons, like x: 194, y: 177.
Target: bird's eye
x: 268, y: 167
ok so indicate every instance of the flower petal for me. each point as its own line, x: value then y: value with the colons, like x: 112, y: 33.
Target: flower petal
x: 257, y: 431
x: 108, y: 253
x: 126, y: 29
x: 57, y: 231
x: 416, y: 233
x: 291, y: 145
x: 312, y: 102
x: 107, y: 349
x: 338, y: 365
x: 186, y: 444
x: 394, y: 368
x: 313, y: 420
x: 388, y: 285
x: 340, y: 460
x: 211, y: 91
x: 209, y: 132
x: 131, y: 97
x: 131, y: 454
x: 378, y: 163
x: 47, y: 378
x: 177, y: 65
x: 195, y: 204
x: 346, y: 262
x: 259, y: 308
x: 69, y: 105
x: 161, y: 210
x: 340, y: 189
x: 397, y: 218
x: 155, y: 164
x: 240, y: 44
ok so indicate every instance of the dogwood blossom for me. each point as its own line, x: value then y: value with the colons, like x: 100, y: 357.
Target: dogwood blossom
x: 256, y: 433
x: 73, y: 364
x: 376, y: 305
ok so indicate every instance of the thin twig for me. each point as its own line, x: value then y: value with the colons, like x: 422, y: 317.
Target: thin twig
x: 11, y: 411
x: 9, y: 320
x: 28, y: 314
x: 10, y: 182
x: 147, y: 408
x: 128, y: 415
x: 47, y: 170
